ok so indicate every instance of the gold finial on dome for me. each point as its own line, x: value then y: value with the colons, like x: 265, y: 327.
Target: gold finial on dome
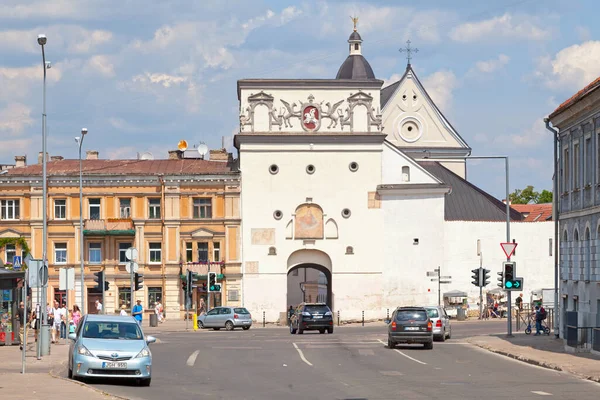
x: 355, y: 21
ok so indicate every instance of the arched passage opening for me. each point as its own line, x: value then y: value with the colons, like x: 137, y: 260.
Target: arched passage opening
x: 309, y: 278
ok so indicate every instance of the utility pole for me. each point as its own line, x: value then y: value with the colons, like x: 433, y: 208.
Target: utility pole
x: 437, y: 277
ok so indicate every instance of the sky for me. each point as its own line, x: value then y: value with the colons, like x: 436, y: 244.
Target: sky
x: 142, y: 75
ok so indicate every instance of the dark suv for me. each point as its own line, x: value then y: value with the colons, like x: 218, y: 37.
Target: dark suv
x: 311, y: 317
x: 410, y: 325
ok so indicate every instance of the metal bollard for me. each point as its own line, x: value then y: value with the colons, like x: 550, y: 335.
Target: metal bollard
x: 263, y: 319
x: 338, y: 318
x: 387, y: 314
x: 363, y: 318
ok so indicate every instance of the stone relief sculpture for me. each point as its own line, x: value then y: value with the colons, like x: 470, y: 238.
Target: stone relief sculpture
x: 332, y: 115
x: 260, y: 99
x: 361, y: 99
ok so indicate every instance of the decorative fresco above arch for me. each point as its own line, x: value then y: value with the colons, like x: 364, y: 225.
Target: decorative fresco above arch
x: 308, y: 222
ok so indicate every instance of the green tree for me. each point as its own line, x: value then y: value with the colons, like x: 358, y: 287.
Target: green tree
x: 545, y: 197
x: 530, y: 196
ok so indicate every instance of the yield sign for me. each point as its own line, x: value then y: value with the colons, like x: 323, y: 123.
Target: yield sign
x: 509, y: 249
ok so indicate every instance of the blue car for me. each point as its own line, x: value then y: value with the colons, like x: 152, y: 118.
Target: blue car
x: 105, y: 346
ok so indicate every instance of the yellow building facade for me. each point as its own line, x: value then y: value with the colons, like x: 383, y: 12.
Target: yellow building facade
x: 179, y: 214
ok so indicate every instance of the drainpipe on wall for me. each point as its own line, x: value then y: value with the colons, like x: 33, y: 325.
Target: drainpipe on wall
x: 162, y: 231
x: 555, y: 197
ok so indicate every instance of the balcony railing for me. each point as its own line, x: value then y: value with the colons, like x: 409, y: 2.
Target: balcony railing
x: 111, y: 227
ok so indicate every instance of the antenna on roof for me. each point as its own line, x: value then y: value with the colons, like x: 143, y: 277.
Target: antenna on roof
x: 202, y: 149
x: 146, y: 156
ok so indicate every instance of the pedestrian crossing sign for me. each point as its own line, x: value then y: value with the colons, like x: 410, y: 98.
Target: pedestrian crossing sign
x: 16, y: 262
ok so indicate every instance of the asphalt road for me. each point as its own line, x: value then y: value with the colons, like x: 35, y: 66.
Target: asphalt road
x: 353, y: 363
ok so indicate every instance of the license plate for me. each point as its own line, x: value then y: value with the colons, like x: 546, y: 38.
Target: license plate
x: 317, y: 316
x: 245, y: 322
x: 114, y: 365
x: 411, y: 328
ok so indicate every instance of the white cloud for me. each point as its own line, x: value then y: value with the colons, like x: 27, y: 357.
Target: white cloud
x: 15, y: 118
x: 530, y: 137
x: 102, y: 65
x: 505, y: 26
x: 73, y: 39
x: 43, y: 9
x: 392, y: 79
x: 571, y: 68
x: 16, y: 83
x: 492, y: 65
x: 440, y: 86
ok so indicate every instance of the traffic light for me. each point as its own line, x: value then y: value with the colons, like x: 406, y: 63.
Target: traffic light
x: 138, y: 281
x: 476, y: 277
x: 99, y: 279
x: 501, y: 279
x: 192, y: 278
x: 486, y: 277
x: 183, y: 283
x: 212, y: 281
x: 509, y: 276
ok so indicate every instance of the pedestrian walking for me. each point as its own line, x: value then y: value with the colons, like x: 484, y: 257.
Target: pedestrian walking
x: 202, y: 308
x: 64, y: 320
x: 23, y: 316
x: 138, y: 311
x: 123, y: 312
x: 540, y: 315
x: 98, y: 307
x: 158, y: 310
x: 519, y: 302
x: 290, y: 313
x: 76, y: 314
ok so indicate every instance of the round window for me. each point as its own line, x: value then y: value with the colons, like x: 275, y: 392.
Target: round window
x: 353, y: 166
x: 273, y: 169
x: 277, y: 214
x: 310, y: 169
x: 346, y: 212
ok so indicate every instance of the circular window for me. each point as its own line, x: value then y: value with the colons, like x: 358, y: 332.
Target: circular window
x: 404, y: 97
x: 408, y: 129
x: 353, y: 166
x: 346, y: 212
x: 414, y: 97
x: 273, y: 169
x: 277, y: 214
x: 310, y: 169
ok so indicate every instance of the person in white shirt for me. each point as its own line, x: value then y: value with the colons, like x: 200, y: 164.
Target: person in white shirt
x: 123, y: 312
x: 98, y: 307
x: 56, y: 313
x: 158, y: 310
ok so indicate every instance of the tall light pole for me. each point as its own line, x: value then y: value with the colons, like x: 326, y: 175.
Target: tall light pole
x: 79, y: 140
x: 45, y: 331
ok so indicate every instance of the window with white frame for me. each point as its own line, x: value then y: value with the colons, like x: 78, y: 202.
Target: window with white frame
x: 9, y: 209
x: 10, y: 253
x: 189, y: 252
x: 123, y: 246
x: 217, y: 251
x: 154, y: 208
x: 60, y: 253
x: 94, y: 208
x: 588, y: 157
x: 125, y: 208
x: 154, y: 296
x: 202, y: 207
x: 95, y: 253
x: 155, y: 255
x: 566, y: 171
x: 576, y: 159
x: 60, y: 209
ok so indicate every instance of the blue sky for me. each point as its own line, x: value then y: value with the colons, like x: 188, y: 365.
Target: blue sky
x: 141, y: 75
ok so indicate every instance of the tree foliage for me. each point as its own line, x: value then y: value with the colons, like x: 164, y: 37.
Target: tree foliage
x: 530, y: 196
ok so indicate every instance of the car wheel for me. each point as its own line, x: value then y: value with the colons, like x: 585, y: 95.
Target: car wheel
x: 330, y: 330
x: 245, y: 328
x: 429, y: 345
x: 391, y: 344
x: 70, y: 373
x: 217, y: 329
x: 229, y: 325
x: 443, y: 338
x: 145, y: 382
x: 527, y: 331
x: 292, y: 330
x: 322, y: 331
x: 200, y: 325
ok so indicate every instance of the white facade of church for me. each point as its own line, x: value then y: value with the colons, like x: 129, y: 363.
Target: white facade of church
x: 355, y: 181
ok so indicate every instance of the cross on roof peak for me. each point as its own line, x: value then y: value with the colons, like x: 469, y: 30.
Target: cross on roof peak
x: 409, y: 50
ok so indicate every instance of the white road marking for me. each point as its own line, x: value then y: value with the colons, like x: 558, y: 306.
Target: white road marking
x: 541, y: 393
x: 192, y: 359
x: 301, y: 355
x: 405, y: 355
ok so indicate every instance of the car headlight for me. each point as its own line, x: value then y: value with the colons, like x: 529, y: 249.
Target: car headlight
x: 83, y: 351
x: 144, y: 353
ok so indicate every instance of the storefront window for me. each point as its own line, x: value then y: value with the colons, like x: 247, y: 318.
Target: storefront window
x: 125, y: 297
x: 154, y: 295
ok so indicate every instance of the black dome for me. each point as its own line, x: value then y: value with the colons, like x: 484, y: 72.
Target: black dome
x: 354, y: 36
x: 355, y: 67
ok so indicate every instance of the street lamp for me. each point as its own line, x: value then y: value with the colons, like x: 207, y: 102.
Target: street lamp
x: 45, y: 330
x: 79, y: 140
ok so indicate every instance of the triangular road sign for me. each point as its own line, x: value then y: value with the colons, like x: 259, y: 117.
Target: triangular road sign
x: 509, y: 248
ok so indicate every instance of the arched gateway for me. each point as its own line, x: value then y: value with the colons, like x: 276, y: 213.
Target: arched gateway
x: 309, y: 278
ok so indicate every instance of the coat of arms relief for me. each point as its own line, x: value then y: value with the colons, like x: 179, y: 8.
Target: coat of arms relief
x: 310, y: 113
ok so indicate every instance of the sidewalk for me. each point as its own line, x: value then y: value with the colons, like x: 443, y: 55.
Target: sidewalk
x: 41, y: 380
x: 544, y: 351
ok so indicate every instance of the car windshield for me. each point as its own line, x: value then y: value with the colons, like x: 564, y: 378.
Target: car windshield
x: 316, y: 309
x: 433, y: 313
x: 241, y: 311
x: 112, y: 330
x: 407, y: 315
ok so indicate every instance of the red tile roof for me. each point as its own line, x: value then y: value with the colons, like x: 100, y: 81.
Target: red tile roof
x: 576, y: 97
x: 126, y: 167
x: 534, y: 212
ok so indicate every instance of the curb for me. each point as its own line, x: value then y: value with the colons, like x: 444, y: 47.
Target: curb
x: 532, y: 361
x: 53, y: 374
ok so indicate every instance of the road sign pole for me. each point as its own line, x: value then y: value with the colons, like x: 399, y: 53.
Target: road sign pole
x: 132, y: 291
x: 186, y: 296
x: 439, y: 286
x: 103, y: 286
x: 23, y: 319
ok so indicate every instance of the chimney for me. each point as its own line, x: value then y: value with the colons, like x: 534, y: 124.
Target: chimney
x: 20, y: 161
x: 91, y: 155
x: 175, y: 155
x: 40, y: 157
x: 219, y: 155
x: 56, y: 158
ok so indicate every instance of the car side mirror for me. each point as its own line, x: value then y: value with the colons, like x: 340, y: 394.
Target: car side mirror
x: 150, y: 339
x: 387, y: 321
x: 72, y: 336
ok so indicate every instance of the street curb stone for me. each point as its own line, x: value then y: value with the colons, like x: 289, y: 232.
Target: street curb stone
x: 55, y: 375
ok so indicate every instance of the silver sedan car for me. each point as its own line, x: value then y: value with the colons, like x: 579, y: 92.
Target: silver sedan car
x: 442, y: 329
x: 105, y: 346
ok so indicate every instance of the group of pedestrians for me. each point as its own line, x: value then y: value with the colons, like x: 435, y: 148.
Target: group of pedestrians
x: 60, y: 320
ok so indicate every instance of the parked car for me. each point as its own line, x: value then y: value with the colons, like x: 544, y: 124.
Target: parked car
x: 442, y: 328
x: 310, y: 317
x: 226, y: 317
x: 410, y: 325
x: 105, y: 346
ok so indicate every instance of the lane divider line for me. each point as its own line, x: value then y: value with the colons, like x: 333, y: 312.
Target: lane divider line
x: 301, y: 354
x: 405, y: 355
x: 541, y: 393
x: 192, y: 359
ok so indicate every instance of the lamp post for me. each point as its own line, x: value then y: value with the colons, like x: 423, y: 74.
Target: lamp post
x: 79, y: 140
x: 44, y: 337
